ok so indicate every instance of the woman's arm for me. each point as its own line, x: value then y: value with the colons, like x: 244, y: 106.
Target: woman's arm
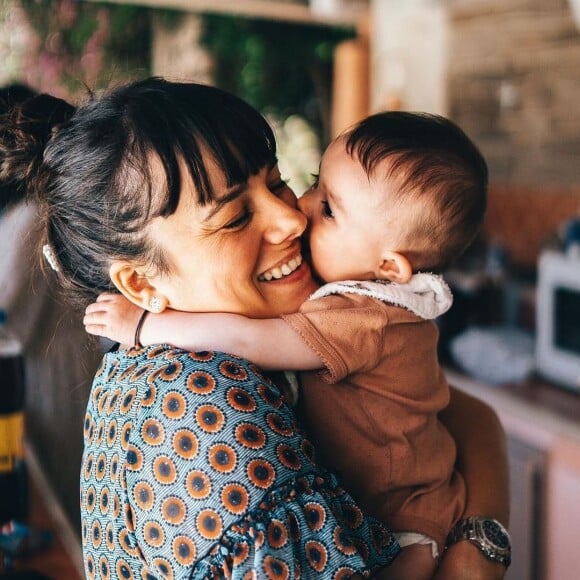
x: 482, y: 460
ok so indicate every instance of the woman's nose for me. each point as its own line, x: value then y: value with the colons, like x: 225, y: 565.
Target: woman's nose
x: 283, y: 222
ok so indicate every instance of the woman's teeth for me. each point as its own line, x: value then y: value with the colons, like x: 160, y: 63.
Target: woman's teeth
x: 281, y: 271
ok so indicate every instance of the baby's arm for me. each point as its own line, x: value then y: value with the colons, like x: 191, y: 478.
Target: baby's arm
x: 269, y: 343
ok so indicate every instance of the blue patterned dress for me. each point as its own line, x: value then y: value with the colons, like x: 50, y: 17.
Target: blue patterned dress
x: 193, y: 467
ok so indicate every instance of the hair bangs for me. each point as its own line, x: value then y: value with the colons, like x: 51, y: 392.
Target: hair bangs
x: 239, y: 141
x: 181, y: 124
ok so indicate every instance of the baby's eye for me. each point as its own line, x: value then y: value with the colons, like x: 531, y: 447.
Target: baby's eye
x: 326, y: 211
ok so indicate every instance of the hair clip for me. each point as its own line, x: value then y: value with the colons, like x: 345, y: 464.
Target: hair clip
x: 50, y: 257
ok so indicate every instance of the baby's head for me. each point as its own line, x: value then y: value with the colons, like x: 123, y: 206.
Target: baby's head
x: 398, y: 193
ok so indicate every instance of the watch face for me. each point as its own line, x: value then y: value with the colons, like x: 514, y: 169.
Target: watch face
x: 495, y: 535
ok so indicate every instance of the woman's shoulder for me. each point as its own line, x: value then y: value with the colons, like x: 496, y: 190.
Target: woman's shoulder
x: 196, y: 376
x: 171, y: 363
x: 175, y: 364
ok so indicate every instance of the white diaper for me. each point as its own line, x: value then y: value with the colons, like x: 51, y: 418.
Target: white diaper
x: 408, y: 538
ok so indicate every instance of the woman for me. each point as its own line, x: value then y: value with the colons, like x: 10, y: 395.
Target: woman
x: 193, y: 466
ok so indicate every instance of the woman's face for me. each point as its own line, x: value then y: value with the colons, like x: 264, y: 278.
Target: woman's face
x: 239, y: 254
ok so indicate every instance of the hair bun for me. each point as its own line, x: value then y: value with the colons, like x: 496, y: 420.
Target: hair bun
x: 24, y: 132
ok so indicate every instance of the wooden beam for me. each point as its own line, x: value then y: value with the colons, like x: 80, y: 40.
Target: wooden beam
x: 263, y: 9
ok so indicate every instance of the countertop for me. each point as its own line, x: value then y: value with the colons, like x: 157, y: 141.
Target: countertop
x: 535, y: 410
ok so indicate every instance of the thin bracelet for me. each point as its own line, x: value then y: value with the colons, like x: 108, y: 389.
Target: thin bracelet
x: 138, y: 329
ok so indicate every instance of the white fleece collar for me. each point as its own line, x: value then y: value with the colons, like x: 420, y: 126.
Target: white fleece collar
x: 426, y: 295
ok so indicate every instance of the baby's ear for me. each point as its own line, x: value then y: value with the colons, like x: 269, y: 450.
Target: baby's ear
x: 395, y: 268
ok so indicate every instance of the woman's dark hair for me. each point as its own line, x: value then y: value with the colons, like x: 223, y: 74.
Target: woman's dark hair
x: 431, y: 160
x: 91, y: 168
x: 11, y: 96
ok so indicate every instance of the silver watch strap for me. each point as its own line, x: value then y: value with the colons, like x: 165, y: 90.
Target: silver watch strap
x: 473, y: 529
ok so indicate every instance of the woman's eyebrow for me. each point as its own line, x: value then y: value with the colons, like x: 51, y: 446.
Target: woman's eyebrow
x: 224, y: 199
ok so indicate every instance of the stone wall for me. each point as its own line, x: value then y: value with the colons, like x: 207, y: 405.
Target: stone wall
x: 514, y: 86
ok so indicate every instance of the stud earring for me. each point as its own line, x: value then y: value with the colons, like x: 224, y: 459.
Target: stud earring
x: 155, y: 305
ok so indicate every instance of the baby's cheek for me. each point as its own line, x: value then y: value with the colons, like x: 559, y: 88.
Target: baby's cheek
x: 319, y: 262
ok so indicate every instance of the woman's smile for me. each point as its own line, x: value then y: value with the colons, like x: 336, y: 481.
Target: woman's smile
x: 282, y: 270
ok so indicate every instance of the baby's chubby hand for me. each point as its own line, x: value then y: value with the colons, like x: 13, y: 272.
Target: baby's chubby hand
x: 114, y: 317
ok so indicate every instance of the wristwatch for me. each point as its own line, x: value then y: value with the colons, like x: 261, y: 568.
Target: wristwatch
x: 487, y: 534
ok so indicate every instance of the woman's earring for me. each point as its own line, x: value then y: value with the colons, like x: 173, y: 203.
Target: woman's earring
x: 155, y: 305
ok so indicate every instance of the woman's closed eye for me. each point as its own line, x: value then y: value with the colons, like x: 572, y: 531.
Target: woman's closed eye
x: 240, y: 220
x: 326, y: 209
x: 314, y: 180
x: 279, y: 186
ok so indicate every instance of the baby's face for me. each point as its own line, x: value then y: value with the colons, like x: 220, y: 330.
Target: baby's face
x: 347, y: 218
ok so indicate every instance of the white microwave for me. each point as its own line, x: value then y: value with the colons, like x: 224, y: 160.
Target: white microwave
x: 558, y: 318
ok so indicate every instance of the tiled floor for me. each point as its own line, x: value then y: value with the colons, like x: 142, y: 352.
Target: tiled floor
x: 55, y: 561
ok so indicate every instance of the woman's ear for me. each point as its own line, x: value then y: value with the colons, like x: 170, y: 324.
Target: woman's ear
x: 136, y: 287
x: 395, y: 268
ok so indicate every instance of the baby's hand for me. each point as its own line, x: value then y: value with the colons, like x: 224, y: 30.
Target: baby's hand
x: 114, y: 317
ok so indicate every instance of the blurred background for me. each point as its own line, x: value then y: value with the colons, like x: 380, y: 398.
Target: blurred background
x: 507, y: 71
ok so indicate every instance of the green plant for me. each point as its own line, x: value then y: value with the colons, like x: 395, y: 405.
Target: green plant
x: 280, y: 68
x: 89, y: 44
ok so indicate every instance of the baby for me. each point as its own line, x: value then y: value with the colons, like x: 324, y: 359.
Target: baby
x: 398, y: 195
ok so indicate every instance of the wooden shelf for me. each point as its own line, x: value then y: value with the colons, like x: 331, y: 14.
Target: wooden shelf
x: 264, y: 9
